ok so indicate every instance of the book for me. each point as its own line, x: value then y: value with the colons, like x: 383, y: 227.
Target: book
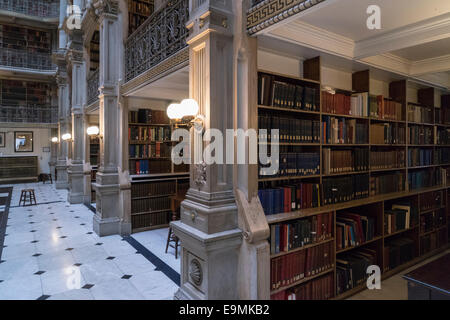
x: 337, y: 130
x: 347, y: 160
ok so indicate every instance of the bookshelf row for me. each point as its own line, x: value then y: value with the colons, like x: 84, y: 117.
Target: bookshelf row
x: 340, y: 244
x: 352, y: 170
x: 20, y: 38
x: 138, y: 12
x: 25, y: 93
x: 156, y: 181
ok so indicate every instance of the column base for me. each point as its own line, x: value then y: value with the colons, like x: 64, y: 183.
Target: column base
x: 61, y: 177
x: 209, y: 263
x: 75, y: 175
x: 106, y: 227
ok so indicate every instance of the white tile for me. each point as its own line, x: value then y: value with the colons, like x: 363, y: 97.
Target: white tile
x: 154, y: 285
x: 61, y: 280
x: 18, y: 268
x: 89, y: 254
x: 100, y: 271
x: 21, y: 288
x: 18, y: 251
x: 76, y: 294
x: 134, y: 264
x: 116, y: 290
x: 53, y: 261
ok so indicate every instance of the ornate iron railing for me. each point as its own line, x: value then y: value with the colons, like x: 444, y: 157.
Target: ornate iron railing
x: 92, y: 87
x: 159, y: 37
x: 37, y: 8
x: 25, y: 59
x: 29, y: 114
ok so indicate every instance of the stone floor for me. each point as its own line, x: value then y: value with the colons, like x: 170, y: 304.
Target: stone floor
x: 51, y: 252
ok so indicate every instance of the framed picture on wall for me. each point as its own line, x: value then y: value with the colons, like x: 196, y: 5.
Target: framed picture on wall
x: 2, y: 139
x: 23, y: 141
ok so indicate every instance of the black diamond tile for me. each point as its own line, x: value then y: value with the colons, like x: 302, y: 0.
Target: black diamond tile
x: 30, y: 216
x: 72, y: 211
x: 55, y: 219
x: 69, y: 249
x: 77, y: 264
x: 87, y: 286
x: 1, y: 281
x: 43, y: 297
x: 1, y: 261
x: 110, y: 258
x: 126, y: 276
x: 37, y: 254
x: 89, y: 232
x: 63, y: 237
x: 76, y: 217
x: 98, y: 243
x: 33, y: 231
x: 29, y: 210
x: 82, y: 224
x: 34, y: 241
x: 31, y: 222
x: 52, y: 213
x: 39, y: 272
x: 58, y: 227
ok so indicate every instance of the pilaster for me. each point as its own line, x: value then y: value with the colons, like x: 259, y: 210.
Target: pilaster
x: 109, y: 218
x: 208, y: 229
x: 76, y: 169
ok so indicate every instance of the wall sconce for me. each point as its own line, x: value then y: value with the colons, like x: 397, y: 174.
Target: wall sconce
x: 93, y: 131
x: 66, y: 137
x: 54, y: 139
x: 187, y: 109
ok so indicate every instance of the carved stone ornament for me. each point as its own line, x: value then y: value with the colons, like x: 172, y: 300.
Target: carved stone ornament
x: 195, y: 272
x: 200, y: 174
x: 106, y: 7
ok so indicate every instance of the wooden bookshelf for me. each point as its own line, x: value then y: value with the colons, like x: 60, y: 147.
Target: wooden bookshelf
x: 94, y: 51
x: 391, y: 112
x: 13, y: 169
x: 20, y: 38
x: 155, y: 179
x: 138, y: 12
x: 20, y: 93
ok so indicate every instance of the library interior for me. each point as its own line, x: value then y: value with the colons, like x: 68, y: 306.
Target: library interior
x: 349, y: 101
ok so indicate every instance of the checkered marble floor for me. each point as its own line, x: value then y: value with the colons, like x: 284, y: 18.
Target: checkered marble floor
x: 51, y: 252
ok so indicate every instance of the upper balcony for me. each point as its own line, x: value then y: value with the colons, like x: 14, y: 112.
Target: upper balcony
x: 160, y: 37
x: 26, y: 60
x: 29, y: 114
x: 47, y: 9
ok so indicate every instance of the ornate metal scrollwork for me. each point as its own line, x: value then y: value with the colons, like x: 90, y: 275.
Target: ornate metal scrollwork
x: 162, y: 35
x: 92, y: 87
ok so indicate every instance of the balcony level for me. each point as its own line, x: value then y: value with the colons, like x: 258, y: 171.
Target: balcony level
x: 38, y: 10
x: 158, y: 47
x: 17, y: 60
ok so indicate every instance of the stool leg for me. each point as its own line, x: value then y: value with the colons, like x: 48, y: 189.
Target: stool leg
x: 168, y: 238
x: 34, y: 198
x: 176, y: 249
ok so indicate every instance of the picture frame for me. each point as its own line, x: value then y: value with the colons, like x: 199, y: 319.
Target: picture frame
x: 2, y: 139
x: 23, y: 141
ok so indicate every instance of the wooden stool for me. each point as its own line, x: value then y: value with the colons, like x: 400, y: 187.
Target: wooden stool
x: 171, y: 237
x: 27, y: 194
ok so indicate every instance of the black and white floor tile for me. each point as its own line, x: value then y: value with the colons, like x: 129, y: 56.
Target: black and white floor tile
x: 51, y: 253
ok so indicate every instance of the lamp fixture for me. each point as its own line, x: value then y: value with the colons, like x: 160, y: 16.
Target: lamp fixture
x: 174, y: 111
x: 54, y: 139
x: 188, y: 108
x: 93, y: 131
x: 66, y: 136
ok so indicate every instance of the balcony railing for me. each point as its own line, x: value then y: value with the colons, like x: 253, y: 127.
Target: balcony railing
x: 159, y: 37
x: 29, y: 114
x: 92, y: 87
x: 25, y: 59
x: 36, y: 8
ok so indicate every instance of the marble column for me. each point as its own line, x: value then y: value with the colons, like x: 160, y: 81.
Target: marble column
x: 108, y: 219
x: 63, y: 127
x: 208, y: 229
x: 76, y: 168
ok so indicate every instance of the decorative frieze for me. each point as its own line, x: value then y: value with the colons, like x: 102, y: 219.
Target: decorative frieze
x: 266, y: 13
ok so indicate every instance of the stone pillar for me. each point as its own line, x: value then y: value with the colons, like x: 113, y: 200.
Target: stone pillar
x: 109, y: 217
x: 208, y: 230
x: 76, y: 168
x: 61, y: 31
x: 63, y: 126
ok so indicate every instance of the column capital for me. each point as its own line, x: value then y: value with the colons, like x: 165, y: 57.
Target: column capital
x: 106, y: 8
x: 211, y: 16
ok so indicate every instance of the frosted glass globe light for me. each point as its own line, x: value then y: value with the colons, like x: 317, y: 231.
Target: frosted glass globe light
x: 174, y: 111
x: 93, y: 131
x: 190, y: 107
x: 55, y: 139
x: 66, y: 136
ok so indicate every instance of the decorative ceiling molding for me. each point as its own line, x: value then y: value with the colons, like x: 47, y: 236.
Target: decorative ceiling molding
x: 432, y: 65
x: 313, y: 37
x: 429, y: 30
x: 269, y: 12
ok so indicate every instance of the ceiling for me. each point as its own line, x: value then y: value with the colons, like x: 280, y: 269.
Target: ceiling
x: 413, y: 41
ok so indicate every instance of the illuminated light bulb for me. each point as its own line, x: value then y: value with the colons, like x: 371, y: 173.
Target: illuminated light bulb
x: 190, y: 107
x: 93, y: 131
x: 66, y: 136
x: 174, y: 111
x: 54, y: 139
